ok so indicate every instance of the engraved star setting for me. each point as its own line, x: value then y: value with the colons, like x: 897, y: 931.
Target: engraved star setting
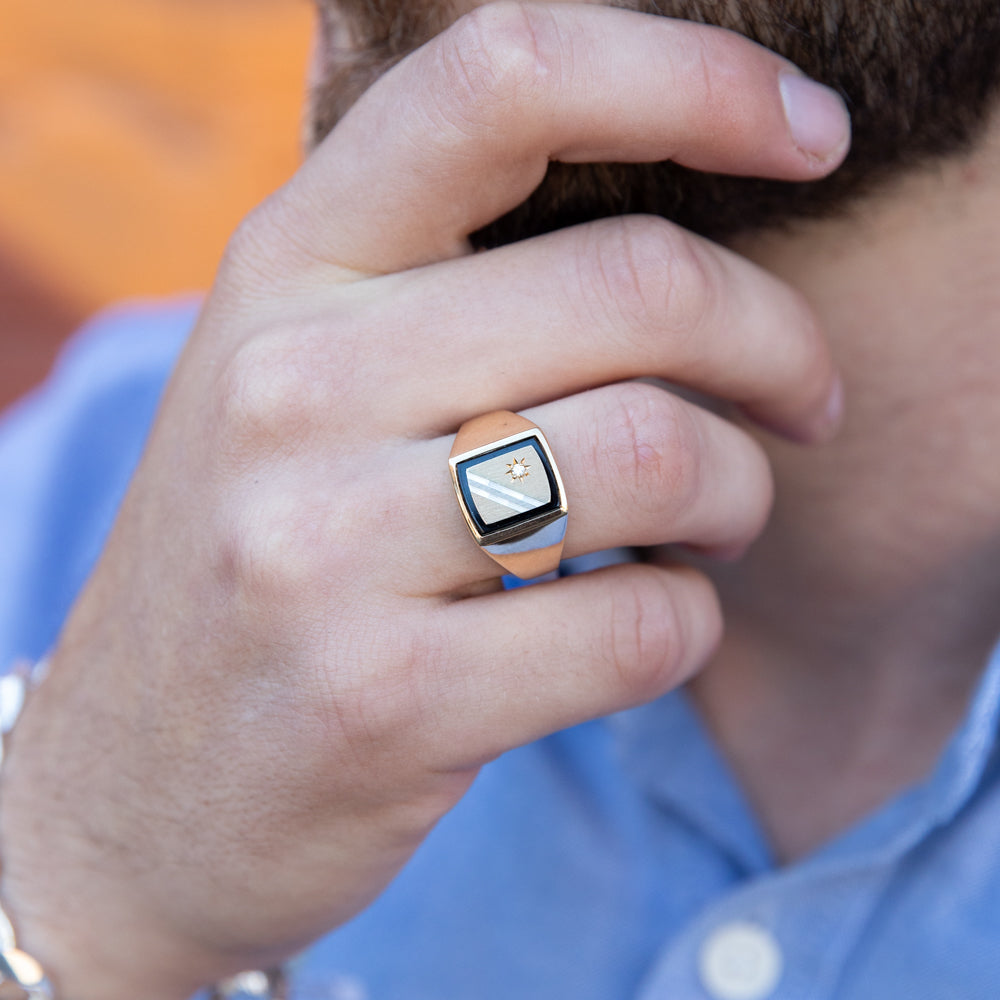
x: 518, y: 469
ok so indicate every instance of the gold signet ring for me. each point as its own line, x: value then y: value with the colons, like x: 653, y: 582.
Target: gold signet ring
x: 510, y: 492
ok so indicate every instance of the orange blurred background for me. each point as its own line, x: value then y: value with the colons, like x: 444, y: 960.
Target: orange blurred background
x: 134, y: 135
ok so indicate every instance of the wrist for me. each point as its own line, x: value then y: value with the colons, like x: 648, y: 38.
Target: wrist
x: 69, y: 910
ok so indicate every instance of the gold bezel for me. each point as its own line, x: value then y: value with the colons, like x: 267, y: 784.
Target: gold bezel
x: 527, y: 526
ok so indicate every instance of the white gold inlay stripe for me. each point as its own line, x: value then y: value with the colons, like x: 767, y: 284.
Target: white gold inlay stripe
x: 518, y: 502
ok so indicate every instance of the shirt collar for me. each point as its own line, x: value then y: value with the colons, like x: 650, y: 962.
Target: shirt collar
x: 669, y: 753
x: 666, y: 749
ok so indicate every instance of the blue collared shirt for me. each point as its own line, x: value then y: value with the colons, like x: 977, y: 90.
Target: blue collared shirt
x: 618, y: 859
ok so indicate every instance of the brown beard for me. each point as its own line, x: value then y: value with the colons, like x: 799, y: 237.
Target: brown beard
x: 919, y: 78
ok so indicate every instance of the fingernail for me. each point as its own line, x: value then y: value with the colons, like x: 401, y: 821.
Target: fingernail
x: 833, y: 414
x: 817, y: 117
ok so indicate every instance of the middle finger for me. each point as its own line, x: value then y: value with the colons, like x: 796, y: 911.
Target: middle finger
x: 596, y: 304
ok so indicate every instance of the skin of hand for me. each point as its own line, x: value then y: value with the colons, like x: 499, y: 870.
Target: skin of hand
x: 291, y: 659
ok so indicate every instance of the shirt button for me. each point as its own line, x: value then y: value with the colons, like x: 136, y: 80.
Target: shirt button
x: 740, y: 961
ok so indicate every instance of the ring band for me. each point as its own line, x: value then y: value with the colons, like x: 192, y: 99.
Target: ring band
x: 510, y: 492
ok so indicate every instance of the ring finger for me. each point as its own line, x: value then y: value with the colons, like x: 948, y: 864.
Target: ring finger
x: 640, y: 465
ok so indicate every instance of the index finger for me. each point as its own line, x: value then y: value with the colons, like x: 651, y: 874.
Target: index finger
x: 463, y: 129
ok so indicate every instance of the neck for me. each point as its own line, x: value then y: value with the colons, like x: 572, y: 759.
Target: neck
x: 859, y: 623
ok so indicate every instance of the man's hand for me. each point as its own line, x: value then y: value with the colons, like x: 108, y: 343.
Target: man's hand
x: 292, y: 658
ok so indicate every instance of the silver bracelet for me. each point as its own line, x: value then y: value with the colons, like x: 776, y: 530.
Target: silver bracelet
x: 256, y: 985
x: 22, y: 976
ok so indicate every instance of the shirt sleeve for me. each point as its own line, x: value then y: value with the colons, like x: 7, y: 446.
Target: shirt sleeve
x: 67, y: 453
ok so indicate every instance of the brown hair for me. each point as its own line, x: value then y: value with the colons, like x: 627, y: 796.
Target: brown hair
x: 919, y: 77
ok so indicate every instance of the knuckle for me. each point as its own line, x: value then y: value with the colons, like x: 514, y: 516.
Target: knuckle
x: 380, y: 706
x: 249, y: 242
x: 703, y: 68
x: 268, y: 552
x: 269, y: 393
x: 648, y: 641
x: 493, y: 58
x: 697, y: 288
x: 652, y: 275
x: 256, y: 252
x: 654, y: 441
x: 628, y: 266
